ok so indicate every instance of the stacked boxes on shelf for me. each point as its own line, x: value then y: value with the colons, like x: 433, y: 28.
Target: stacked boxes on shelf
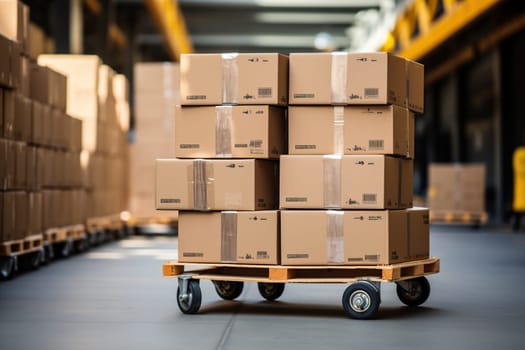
x: 40, y: 171
x: 347, y: 184
x: 96, y: 95
x: 156, y: 95
x: 229, y: 134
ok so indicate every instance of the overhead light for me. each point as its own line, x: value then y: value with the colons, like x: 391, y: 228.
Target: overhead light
x: 304, y: 18
x: 324, y: 42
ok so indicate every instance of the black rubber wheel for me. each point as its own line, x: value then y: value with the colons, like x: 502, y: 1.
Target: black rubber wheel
x: 7, y: 267
x: 228, y: 290
x: 270, y: 291
x: 49, y: 253
x: 35, y: 259
x: 66, y: 249
x: 417, y: 292
x: 361, y: 300
x: 192, y: 303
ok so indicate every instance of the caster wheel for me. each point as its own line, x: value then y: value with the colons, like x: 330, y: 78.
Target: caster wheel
x: 270, y: 291
x: 413, y: 292
x: 361, y: 300
x: 7, y: 267
x: 228, y: 290
x: 35, y: 259
x: 66, y: 249
x: 49, y: 253
x: 190, y: 302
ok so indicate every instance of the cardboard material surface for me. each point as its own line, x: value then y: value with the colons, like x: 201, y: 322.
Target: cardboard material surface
x: 415, y: 86
x: 418, y: 233
x: 346, y: 182
x: 249, y: 237
x: 351, y: 130
x: 352, y: 237
x: 214, y: 79
x: 230, y: 132
x: 184, y: 184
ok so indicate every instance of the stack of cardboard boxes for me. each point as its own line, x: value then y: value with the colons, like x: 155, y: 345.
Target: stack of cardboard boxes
x: 98, y: 97
x: 346, y: 185
x: 229, y: 134
x: 348, y: 180
x: 156, y: 95
x: 40, y: 171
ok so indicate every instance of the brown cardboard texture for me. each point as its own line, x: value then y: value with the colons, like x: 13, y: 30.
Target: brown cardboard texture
x: 215, y: 184
x: 418, y: 233
x: 343, y: 237
x: 376, y: 78
x: 1, y: 216
x: 35, y: 212
x: 9, y: 113
x: 21, y: 214
x: 6, y: 47
x: 310, y: 78
x: 230, y: 132
x: 250, y: 237
x: 14, y: 20
x: 214, y: 79
x: 346, y: 182
x: 3, y: 163
x: 1, y: 113
x: 8, y: 217
x: 415, y: 86
x: 352, y: 130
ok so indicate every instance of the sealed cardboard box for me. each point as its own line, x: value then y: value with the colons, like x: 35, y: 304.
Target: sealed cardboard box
x: 35, y: 212
x: 8, y: 216
x: 9, y: 113
x: 418, y: 233
x: 6, y: 47
x: 214, y: 79
x: 21, y: 214
x: 48, y: 86
x: 200, y: 184
x: 353, y: 237
x: 347, y: 78
x: 10, y: 161
x: 14, y: 20
x: 20, y: 176
x: 37, y: 123
x: 248, y: 237
x: 230, y: 132
x: 346, y: 182
x: 25, y: 76
x: 351, y: 130
x: 31, y: 159
x: 82, y: 82
x: 1, y: 216
x: 415, y: 86
x: 3, y: 163
x: 36, y: 41
x: 22, y: 120
x: 157, y: 76
x: 1, y: 112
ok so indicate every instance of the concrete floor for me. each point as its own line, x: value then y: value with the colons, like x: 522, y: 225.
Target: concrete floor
x: 114, y: 297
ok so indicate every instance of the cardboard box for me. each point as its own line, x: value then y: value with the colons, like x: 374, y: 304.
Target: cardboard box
x: 31, y: 168
x: 120, y: 87
x: 214, y: 79
x: 246, y: 184
x: 8, y: 217
x: 347, y: 78
x: 6, y: 47
x: 415, y: 86
x: 1, y: 112
x: 1, y: 216
x: 48, y: 86
x: 82, y: 82
x: 457, y: 188
x: 3, y: 163
x: 9, y: 113
x: 22, y: 120
x: 25, y: 76
x: 36, y: 41
x: 346, y: 182
x: 418, y: 233
x: 249, y: 237
x: 14, y: 20
x: 351, y: 130
x: 10, y: 161
x: 152, y: 77
x: 352, y: 237
x: 21, y: 215
x: 20, y: 176
x: 230, y: 132
x: 35, y: 213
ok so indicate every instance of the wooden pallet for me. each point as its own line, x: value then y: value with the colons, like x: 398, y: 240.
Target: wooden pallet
x: 62, y: 234
x: 22, y: 246
x: 155, y: 220
x: 304, y: 274
x: 112, y: 222
x: 458, y: 217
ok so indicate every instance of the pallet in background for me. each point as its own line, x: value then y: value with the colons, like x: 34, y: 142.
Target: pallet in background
x: 65, y: 233
x: 111, y: 222
x: 22, y: 246
x: 458, y: 217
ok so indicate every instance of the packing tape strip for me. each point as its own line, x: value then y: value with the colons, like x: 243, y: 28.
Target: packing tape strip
x: 332, y: 180
x: 230, y: 77
x: 228, y: 236
x: 223, y: 131
x: 399, y: 164
x: 200, y: 188
x: 335, y: 236
x: 339, y: 123
x: 338, y: 72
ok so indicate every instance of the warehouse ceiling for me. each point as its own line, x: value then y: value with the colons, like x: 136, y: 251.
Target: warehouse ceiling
x: 271, y: 25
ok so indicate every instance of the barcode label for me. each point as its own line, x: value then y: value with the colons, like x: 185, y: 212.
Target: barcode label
x: 256, y: 143
x: 296, y: 199
x: 376, y: 144
x: 169, y: 200
x: 264, y: 92
x: 355, y: 259
x: 193, y: 254
x: 297, y: 256
x: 196, y: 97
x: 369, y: 198
x: 262, y: 254
x: 371, y: 257
x: 371, y: 92
x: 240, y: 145
x: 189, y: 145
x: 305, y: 146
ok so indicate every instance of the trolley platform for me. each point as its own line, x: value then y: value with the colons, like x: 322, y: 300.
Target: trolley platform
x: 361, y: 299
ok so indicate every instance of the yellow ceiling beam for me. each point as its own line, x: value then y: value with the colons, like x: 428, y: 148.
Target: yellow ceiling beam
x: 117, y: 35
x: 170, y: 21
x: 459, y: 15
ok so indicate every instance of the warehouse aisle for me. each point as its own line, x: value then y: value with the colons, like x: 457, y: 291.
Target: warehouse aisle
x: 114, y: 297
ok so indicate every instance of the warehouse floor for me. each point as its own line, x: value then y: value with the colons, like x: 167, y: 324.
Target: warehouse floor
x: 114, y: 297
